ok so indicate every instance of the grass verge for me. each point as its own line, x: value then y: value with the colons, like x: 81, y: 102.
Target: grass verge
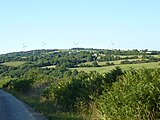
x: 46, y: 108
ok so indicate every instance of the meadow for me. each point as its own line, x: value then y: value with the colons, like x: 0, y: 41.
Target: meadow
x: 122, y: 66
x: 14, y: 63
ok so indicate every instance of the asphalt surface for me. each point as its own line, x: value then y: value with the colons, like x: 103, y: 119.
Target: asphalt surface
x: 13, y: 109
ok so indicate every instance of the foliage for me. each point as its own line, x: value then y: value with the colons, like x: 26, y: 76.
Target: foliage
x: 4, y: 81
x: 109, y: 64
x: 19, y: 85
x: 23, y: 85
x: 105, y: 94
x: 95, y: 64
x: 81, y: 90
x: 135, y: 96
x: 139, y: 61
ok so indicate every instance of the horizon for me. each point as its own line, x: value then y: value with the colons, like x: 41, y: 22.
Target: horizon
x: 77, y: 49
x: 126, y: 25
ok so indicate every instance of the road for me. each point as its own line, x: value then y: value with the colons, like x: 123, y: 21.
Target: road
x: 13, y: 109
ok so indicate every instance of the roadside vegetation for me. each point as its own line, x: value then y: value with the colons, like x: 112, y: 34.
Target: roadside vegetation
x: 108, y: 89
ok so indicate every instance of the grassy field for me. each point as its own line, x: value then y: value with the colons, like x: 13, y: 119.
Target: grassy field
x: 52, y: 66
x: 124, y: 67
x: 117, y: 62
x: 139, y: 56
x: 14, y: 63
x: 156, y: 56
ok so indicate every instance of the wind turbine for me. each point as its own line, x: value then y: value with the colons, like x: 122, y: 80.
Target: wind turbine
x: 33, y: 52
x: 76, y: 44
x: 24, y: 46
x: 112, y: 44
x: 43, y: 43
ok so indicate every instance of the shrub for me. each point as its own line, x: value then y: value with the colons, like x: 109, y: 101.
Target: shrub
x: 80, y: 91
x: 135, y: 96
x: 23, y: 85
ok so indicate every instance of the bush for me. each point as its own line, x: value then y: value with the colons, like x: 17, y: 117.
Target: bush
x: 80, y: 91
x: 23, y: 85
x: 109, y: 64
x: 135, y: 96
x: 95, y: 64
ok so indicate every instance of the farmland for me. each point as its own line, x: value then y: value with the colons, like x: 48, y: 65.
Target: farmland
x: 124, y: 67
x: 14, y: 63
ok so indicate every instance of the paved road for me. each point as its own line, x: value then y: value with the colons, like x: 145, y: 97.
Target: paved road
x: 13, y: 109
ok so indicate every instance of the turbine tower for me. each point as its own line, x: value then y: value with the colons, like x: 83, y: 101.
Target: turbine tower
x: 112, y: 44
x: 24, y: 47
x: 43, y: 43
x: 76, y: 44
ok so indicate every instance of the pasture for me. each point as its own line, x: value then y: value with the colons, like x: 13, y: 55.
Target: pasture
x: 14, y: 63
x: 122, y: 66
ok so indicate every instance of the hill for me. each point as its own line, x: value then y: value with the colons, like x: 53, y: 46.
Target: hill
x: 79, y: 83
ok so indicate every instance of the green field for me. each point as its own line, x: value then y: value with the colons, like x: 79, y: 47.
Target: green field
x: 117, y: 62
x: 156, y: 56
x: 124, y: 67
x: 52, y: 66
x: 139, y: 56
x: 14, y: 63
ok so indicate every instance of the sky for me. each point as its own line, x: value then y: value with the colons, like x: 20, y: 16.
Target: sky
x: 64, y: 24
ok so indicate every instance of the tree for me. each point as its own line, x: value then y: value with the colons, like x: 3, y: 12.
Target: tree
x: 75, y: 72
x: 95, y: 64
x: 89, y: 58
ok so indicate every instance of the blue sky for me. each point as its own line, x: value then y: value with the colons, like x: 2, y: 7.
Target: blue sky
x: 129, y: 24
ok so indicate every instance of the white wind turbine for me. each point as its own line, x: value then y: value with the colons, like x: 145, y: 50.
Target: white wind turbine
x: 43, y: 43
x: 76, y: 44
x: 112, y: 44
x: 24, y: 47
